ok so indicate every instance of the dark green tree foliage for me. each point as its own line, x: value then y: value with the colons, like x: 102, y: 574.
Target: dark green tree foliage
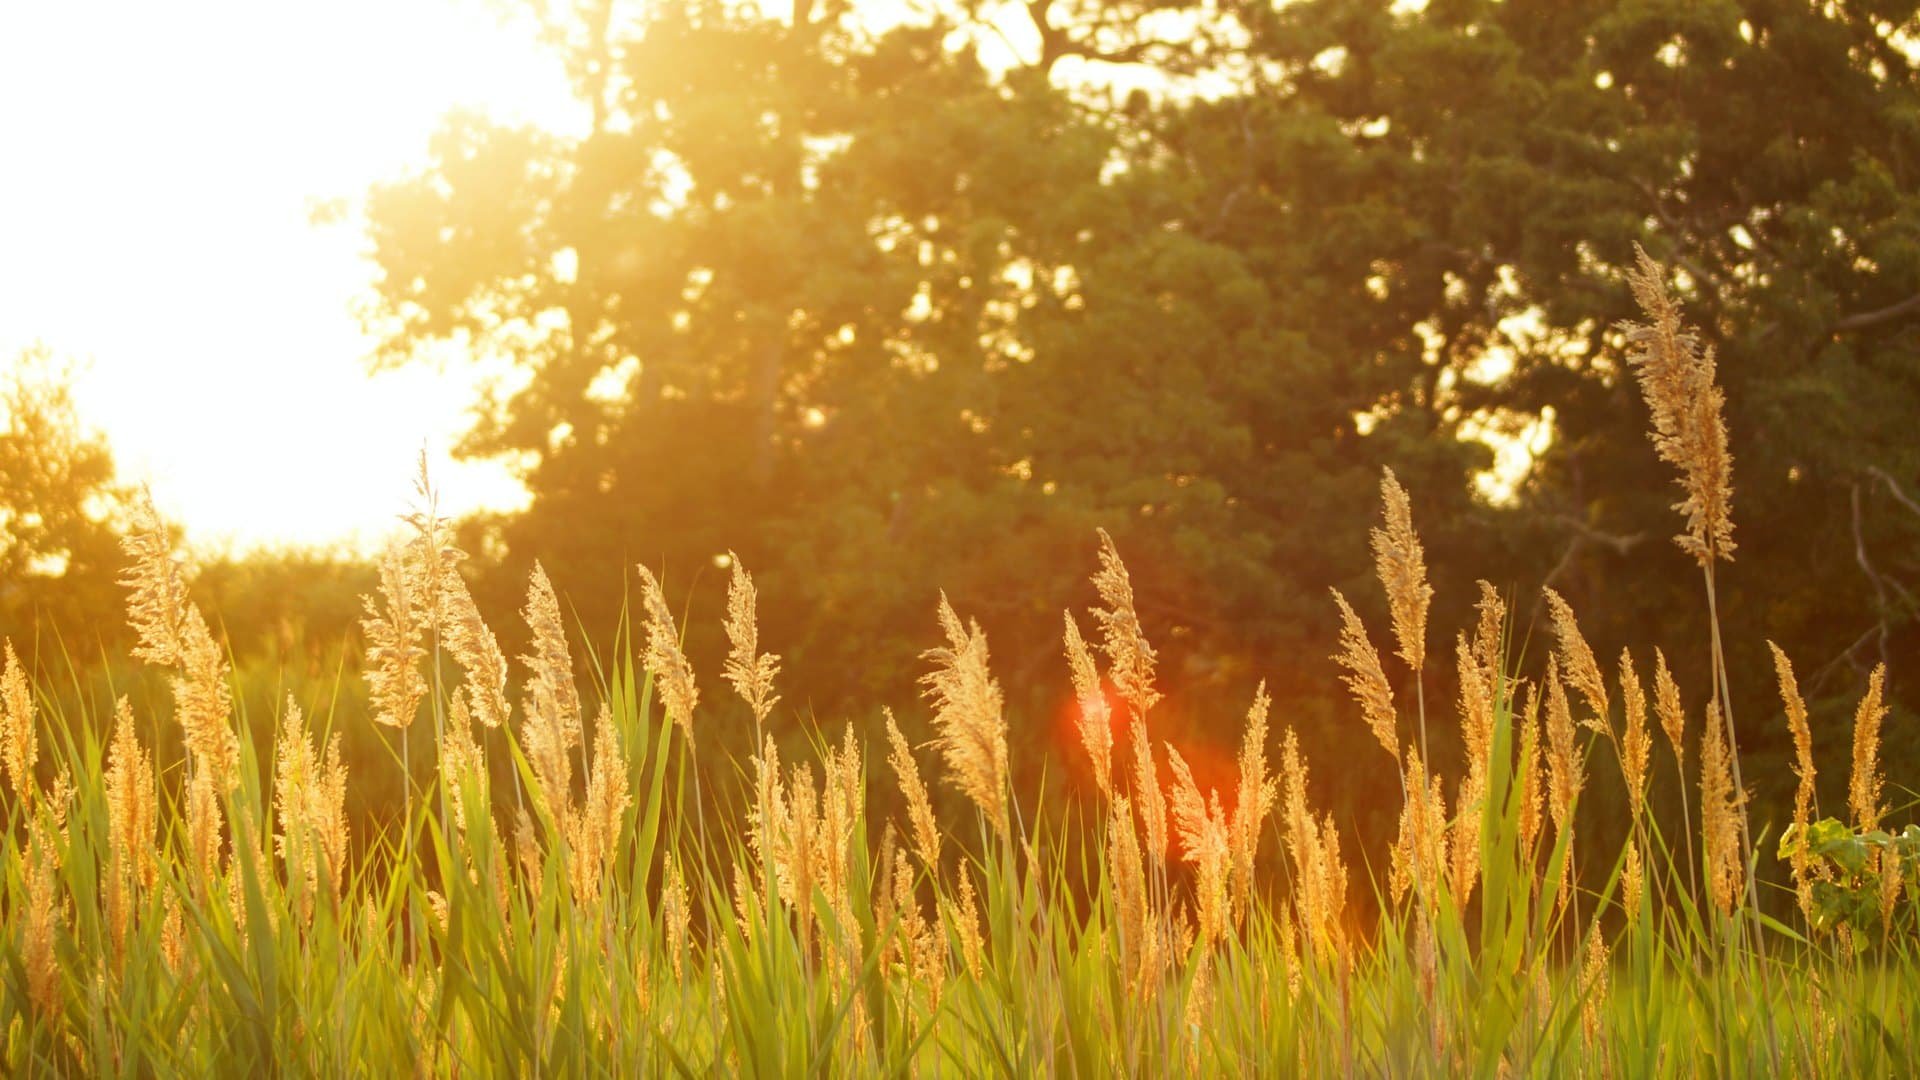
x: 59, y: 502
x: 880, y: 318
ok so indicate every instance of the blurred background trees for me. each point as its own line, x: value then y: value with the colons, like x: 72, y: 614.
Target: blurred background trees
x: 890, y: 299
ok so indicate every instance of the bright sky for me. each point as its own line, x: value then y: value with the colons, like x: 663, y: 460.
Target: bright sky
x: 158, y: 163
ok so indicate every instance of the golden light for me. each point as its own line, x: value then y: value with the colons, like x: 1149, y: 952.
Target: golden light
x: 161, y: 167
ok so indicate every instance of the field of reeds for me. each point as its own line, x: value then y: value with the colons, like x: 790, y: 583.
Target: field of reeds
x: 560, y: 898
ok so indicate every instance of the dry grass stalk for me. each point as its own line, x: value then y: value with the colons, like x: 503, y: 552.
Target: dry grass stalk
x: 1130, y: 658
x: 968, y: 715
x: 1594, y: 987
x: 676, y: 916
x: 19, y: 739
x: 1401, y: 564
x: 664, y: 658
x: 1320, y: 876
x: 920, y: 820
x: 1689, y: 432
x: 750, y: 671
x: 1366, y: 678
x: 1721, y: 808
x: 1863, y: 789
x: 1096, y: 716
x: 1633, y: 884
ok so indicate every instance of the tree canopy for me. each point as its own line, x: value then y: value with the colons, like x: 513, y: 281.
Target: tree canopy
x: 885, y: 309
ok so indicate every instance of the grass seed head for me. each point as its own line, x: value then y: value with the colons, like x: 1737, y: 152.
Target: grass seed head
x: 1401, y: 564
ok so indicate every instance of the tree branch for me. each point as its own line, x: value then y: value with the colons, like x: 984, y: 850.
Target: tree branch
x: 1868, y: 319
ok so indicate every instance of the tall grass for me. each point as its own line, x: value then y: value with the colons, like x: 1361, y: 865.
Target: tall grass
x: 588, y: 917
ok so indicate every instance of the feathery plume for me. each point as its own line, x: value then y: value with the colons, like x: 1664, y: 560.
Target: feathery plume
x: 19, y: 742
x: 1633, y: 883
x: 594, y: 839
x: 1366, y: 678
x: 1203, y: 844
x: 158, y: 599
x: 1689, y: 432
x: 133, y: 807
x: 671, y: 672
x: 1863, y: 790
x: 1636, y: 742
x: 1565, y: 773
x: 1803, y: 796
x: 1096, y: 717
x: 1489, y: 632
x: 1532, y: 750
x: 926, y: 834
x: 968, y: 714
x: 1577, y: 663
x: 476, y: 650
x: 1401, y: 564
x: 1720, y: 810
x: 1254, y: 798
x: 1150, y: 795
x: 45, y: 914
x: 1129, y: 885
x: 750, y: 671
x: 1594, y: 984
x: 676, y: 915
x: 1666, y: 705
x: 394, y: 679
x: 553, y: 725
x: 1128, y: 653
x: 973, y: 950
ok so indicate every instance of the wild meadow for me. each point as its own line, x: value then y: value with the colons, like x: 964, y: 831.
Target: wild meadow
x: 561, y: 897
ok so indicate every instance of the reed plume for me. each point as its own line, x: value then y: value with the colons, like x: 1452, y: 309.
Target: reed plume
x: 552, y: 707
x: 1204, y: 845
x: 1132, y: 909
x: 663, y: 657
x: 395, y: 683
x: 19, y: 740
x: 1253, y: 800
x: 967, y: 712
x: 1366, y: 678
x: 1565, y: 772
x: 926, y: 834
x: 750, y: 671
x: 1677, y: 379
x: 475, y: 649
x: 1489, y: 633
x: 1150, y: 796
x: 1130, y: 658
x: 44, y: 917
x: 133, y: 809
x: 1863, y: 789
x: 1578, y: 665
x: 1636, y: 740
x: 1804, y: 797
x: 1401, y: 564
x: 1721, y: 809
x: 593, y: 840
x: 1096, y: 716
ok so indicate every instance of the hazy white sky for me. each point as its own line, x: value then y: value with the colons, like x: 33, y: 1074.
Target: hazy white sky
x: 157, y: 166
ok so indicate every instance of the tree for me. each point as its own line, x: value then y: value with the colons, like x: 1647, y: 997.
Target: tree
x: 59, y: 507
